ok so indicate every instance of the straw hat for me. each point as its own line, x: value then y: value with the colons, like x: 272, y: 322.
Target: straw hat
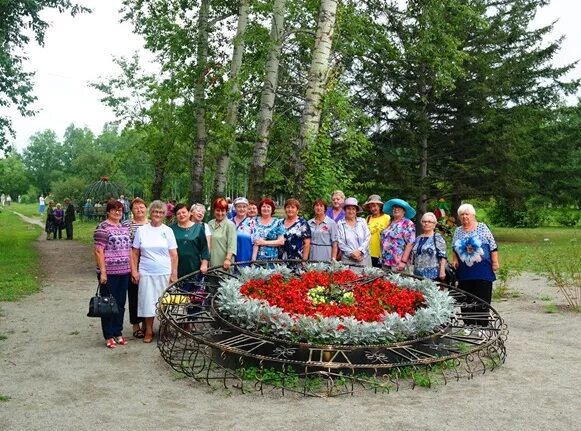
x: 352, y: 202
x: 373, y: 199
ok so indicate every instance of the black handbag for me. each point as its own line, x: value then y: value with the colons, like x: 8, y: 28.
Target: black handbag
x: 451, y: 278
x: 102, y: 306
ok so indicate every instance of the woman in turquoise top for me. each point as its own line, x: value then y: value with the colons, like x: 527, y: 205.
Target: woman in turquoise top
x: 245, y: 227
x: 269, y: 233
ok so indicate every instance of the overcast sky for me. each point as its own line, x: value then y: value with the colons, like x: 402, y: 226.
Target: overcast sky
x: 79, y: 50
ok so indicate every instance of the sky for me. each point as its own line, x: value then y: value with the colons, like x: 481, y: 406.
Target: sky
x: 80, y: 50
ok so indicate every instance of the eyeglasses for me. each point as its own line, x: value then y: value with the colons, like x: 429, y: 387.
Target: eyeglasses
x: 157, y: 212
x: 428, y: 221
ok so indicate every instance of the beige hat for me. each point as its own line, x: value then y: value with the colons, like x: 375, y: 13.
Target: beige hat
x: 373, y: 199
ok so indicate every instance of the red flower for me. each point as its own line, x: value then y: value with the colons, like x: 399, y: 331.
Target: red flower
x: 372, y: 298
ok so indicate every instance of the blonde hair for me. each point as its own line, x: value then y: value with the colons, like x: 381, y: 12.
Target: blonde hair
x: 338, y: 193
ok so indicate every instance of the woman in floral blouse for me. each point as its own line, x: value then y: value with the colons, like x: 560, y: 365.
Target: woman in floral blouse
x: 297, y: 233
x: 398, y: 238
x: 475, y: 259
x: 269, y: 232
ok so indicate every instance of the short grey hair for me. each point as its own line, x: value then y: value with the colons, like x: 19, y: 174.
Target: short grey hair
x: 429, y: 215
x: 338, y: 193
x: 156, y: 205
x: 466, y: 208
x: 198, y: 207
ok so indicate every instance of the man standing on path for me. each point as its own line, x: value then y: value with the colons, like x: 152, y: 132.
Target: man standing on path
x: 69, y: 217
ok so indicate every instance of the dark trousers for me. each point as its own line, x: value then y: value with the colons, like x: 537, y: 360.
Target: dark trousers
x: 69, y: 229
x: 375, y: 262
x: 132, y: 292
x: 116, y: 286
x: 481, y: 289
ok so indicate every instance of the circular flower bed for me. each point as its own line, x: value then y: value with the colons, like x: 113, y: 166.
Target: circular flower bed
x: 331, y: 304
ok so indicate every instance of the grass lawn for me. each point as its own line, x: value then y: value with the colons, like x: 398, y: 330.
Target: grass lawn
x: 534, y: 249
x: 19, y: 266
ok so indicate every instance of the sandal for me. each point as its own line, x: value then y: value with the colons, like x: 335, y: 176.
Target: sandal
x: 148, y: 338
x: 121, y: 340
x: 111, y: 344
x: 138, y: 334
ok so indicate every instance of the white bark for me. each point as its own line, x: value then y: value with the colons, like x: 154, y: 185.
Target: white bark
x: 232, y: 110
x: 197, y: 177
x: 318, y: 74
x: 267, y: 101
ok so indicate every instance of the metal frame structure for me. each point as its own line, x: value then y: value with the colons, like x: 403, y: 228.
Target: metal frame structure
x: 196, y: 340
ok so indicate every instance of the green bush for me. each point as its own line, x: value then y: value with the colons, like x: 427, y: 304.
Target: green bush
x: 568, y: 218
x: 507, y: 215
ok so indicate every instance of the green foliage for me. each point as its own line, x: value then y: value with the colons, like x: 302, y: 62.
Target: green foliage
x: 13, y: 178
x: 512, y: 214
x: 551, y: 309
x: 19, y: 259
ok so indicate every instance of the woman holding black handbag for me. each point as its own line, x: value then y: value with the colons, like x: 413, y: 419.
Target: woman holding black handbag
x: 112, y: 253
x: 429, y: 251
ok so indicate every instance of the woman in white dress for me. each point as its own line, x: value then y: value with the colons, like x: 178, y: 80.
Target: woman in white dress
x: 154, y: 264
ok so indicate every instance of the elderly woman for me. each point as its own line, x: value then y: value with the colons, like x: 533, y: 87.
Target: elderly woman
x: 336, y: 212
x: 398, y: 238
x: 269, y: 233
x: 197, y: 214
x: 429, y: 251
x: 377, y: 221
x: 475, y: 259
x: 354, y: 235
x: 252, y: 209
x: 297, y: 233
x: 112, y: 253
x: 223, y: 235
x: 245, y: 226
x: 193, y: 251
x: 323, y: 234
x: 59, y: 220
x: 139, y: 211
x: 154, y: 264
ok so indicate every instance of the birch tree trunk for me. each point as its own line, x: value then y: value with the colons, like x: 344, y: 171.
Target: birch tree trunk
x: 318, y: 74
x: 267, y: 98
x: 221, y: 176
x: 197, y: 163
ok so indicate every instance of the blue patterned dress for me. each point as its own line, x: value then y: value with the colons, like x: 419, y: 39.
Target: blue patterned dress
x: 268, y: 232
x: 294, y: 239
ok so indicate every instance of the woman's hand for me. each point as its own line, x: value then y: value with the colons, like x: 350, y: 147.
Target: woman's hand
x: 173, y: 277
x: 259, y: 241
x: 442, y: 276
x: 495, y: 266
x: 226, y: 264
x: 357, y: 255
x: 204, y: 266
x: 103, y: 278
x: 401, y: 265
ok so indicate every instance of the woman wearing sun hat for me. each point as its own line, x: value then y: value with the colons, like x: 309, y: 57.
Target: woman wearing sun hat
x: 397, y: 240
x: 354, y: 235
x: 377, y: 221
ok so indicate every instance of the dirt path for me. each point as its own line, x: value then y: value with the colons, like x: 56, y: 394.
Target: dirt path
x: 59, y: 376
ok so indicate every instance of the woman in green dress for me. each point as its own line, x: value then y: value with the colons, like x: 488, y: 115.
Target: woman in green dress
x: 193, y: 253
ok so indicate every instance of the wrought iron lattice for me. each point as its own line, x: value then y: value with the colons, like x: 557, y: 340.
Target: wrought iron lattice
x: 197, y: 340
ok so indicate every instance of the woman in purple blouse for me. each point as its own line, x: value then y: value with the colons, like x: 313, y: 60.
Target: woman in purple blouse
x: 112, y: 252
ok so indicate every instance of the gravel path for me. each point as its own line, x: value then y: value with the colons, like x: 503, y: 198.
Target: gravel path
x: 59, y: 376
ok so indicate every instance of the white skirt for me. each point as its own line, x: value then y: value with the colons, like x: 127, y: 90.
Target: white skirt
x: 151, y: 288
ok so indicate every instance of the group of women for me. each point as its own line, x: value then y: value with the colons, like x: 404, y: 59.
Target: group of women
x: 55, y: 220
x: 140, y: 257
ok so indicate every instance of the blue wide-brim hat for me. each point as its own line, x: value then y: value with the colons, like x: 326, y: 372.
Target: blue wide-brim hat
x: 388, y: 207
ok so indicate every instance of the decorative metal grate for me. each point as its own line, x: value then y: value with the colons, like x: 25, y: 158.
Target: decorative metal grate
x: 196, y: 340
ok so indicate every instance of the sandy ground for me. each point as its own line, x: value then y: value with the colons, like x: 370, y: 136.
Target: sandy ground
x: 59, y: 376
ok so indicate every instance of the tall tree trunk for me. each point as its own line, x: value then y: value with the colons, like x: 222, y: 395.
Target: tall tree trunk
x: 318, y: 73
x: 257, y: 169
x: 158, y: 177
x: 197, y: 177
x: 232, y: 110
x: 423, y: 128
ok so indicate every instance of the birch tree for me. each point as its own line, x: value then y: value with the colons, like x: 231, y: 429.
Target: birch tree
x: 317, y: 80
x: 267, y: 101
x: 221, y: 174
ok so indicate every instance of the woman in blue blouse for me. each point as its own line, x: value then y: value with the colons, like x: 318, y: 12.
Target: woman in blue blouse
x: 429, y: 251
x: 269, y: 232
x: 475, y: 259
